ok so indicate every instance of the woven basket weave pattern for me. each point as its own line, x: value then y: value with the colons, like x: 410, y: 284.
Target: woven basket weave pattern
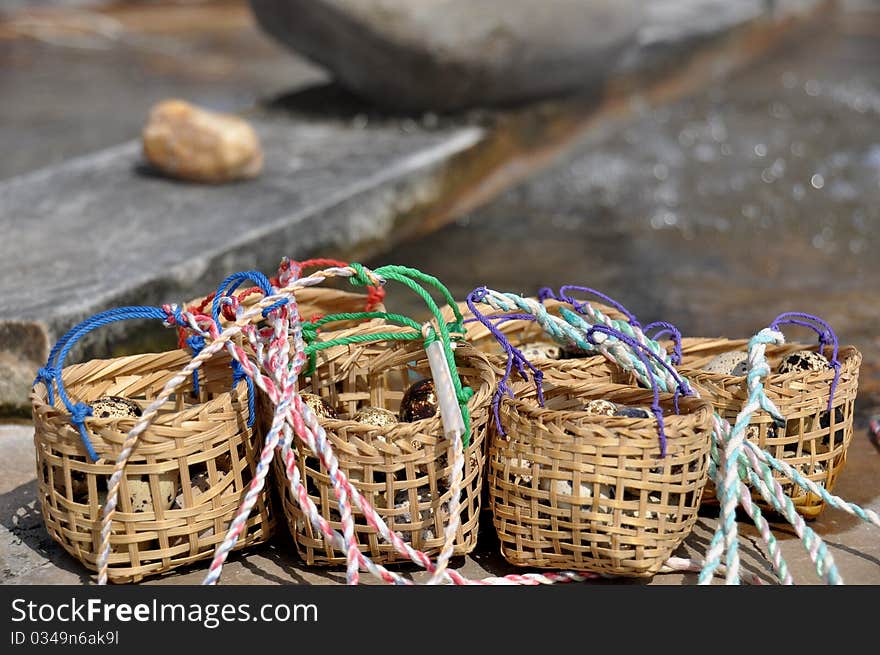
x: 570, y: 490
x: 199, y: 451
x: 397, y: 468
x: 814, y: 441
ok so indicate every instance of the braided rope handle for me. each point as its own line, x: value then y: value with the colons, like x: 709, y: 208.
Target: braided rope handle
x: 317, y: 441
x: 51, y: 373
x: 739, y: 453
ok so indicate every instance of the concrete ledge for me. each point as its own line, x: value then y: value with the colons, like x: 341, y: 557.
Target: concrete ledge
x: 102, y: 231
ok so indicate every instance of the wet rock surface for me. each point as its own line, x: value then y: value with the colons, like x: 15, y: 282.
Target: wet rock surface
x: 717, y: 213
x: 451, y: 54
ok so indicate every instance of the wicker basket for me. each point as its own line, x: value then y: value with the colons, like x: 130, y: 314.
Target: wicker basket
x: 396, y: 467
x: 183, y: 483
x: 815, y: 441
x: 632, y: 508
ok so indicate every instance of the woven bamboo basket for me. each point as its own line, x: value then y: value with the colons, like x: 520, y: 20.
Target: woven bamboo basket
x: 520, y: 332
x: 571, y: 490
x: 401, y: 469
x: 183, y: 483
x: 814, y: 441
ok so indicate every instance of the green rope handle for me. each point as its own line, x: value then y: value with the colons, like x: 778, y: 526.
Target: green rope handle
x: 411, y: 278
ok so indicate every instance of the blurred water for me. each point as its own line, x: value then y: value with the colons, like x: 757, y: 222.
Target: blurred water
x: 758, y: 196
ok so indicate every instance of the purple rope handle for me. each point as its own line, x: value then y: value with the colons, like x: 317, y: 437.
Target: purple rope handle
x: 514, y: 356
x: 667, y: 328
x: 655, y: 403
x: 546, y: 292
x: 827, y: 337
x: 563, y: 296
x: 640, y: 351
x: 504, y: 317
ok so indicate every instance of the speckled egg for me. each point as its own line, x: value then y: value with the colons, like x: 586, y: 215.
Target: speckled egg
x: 377, y: 416
x: 141, y: 496
x: 79, y: 489
x: 802, y: 360
x: 600, y: 407
x: 410, y: 514
x: 653, y: 499
x: 753, y: 432
x: 734, y: 363
x: 199, y: 483
x: 419, y: 401
x: 520, y: 470
x: 575, y: 353
x: 565, y: 488
x: 632, y: 412
x: 319, y: 406
x: 541, y: 350
x: 115, y: 407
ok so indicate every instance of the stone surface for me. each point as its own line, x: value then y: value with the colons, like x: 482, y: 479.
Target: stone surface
x: 130, y: 56
x: 451, y: 54
x: 191, y: 143
x: 325, y: 187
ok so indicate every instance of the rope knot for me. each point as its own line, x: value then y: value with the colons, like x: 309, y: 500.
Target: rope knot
x: 79, y: 413
x: 238, y: 373
x: 478, y: 294
x: 545, y: 293
x: 363, y: 277
x: 196, y: 343
x: 465, y: 395
x: 45, y: 374
x: 173, y: 315
x: 375, y: 297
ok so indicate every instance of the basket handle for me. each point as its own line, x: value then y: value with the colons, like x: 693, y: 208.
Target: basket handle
x: 51, y: 373
x: 579, y: 306
x: 643, y: 353
x: 515, y: 356
x: 291, y: 269
x: 826, y: 335
x: 563, y: 296
x: 439, y: 331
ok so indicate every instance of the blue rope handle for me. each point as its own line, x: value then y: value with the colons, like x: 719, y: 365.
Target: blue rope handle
x: 224, y: 291
x: 51, y: 373
x: 827, y: 337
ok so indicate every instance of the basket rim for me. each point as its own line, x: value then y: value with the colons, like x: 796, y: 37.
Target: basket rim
x: 432, y: 425
x: 526, y: 405
x: 39, y: 400
x: 849, y: 356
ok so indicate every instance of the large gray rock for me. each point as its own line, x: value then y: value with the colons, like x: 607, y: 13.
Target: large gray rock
x: 452, y: 54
